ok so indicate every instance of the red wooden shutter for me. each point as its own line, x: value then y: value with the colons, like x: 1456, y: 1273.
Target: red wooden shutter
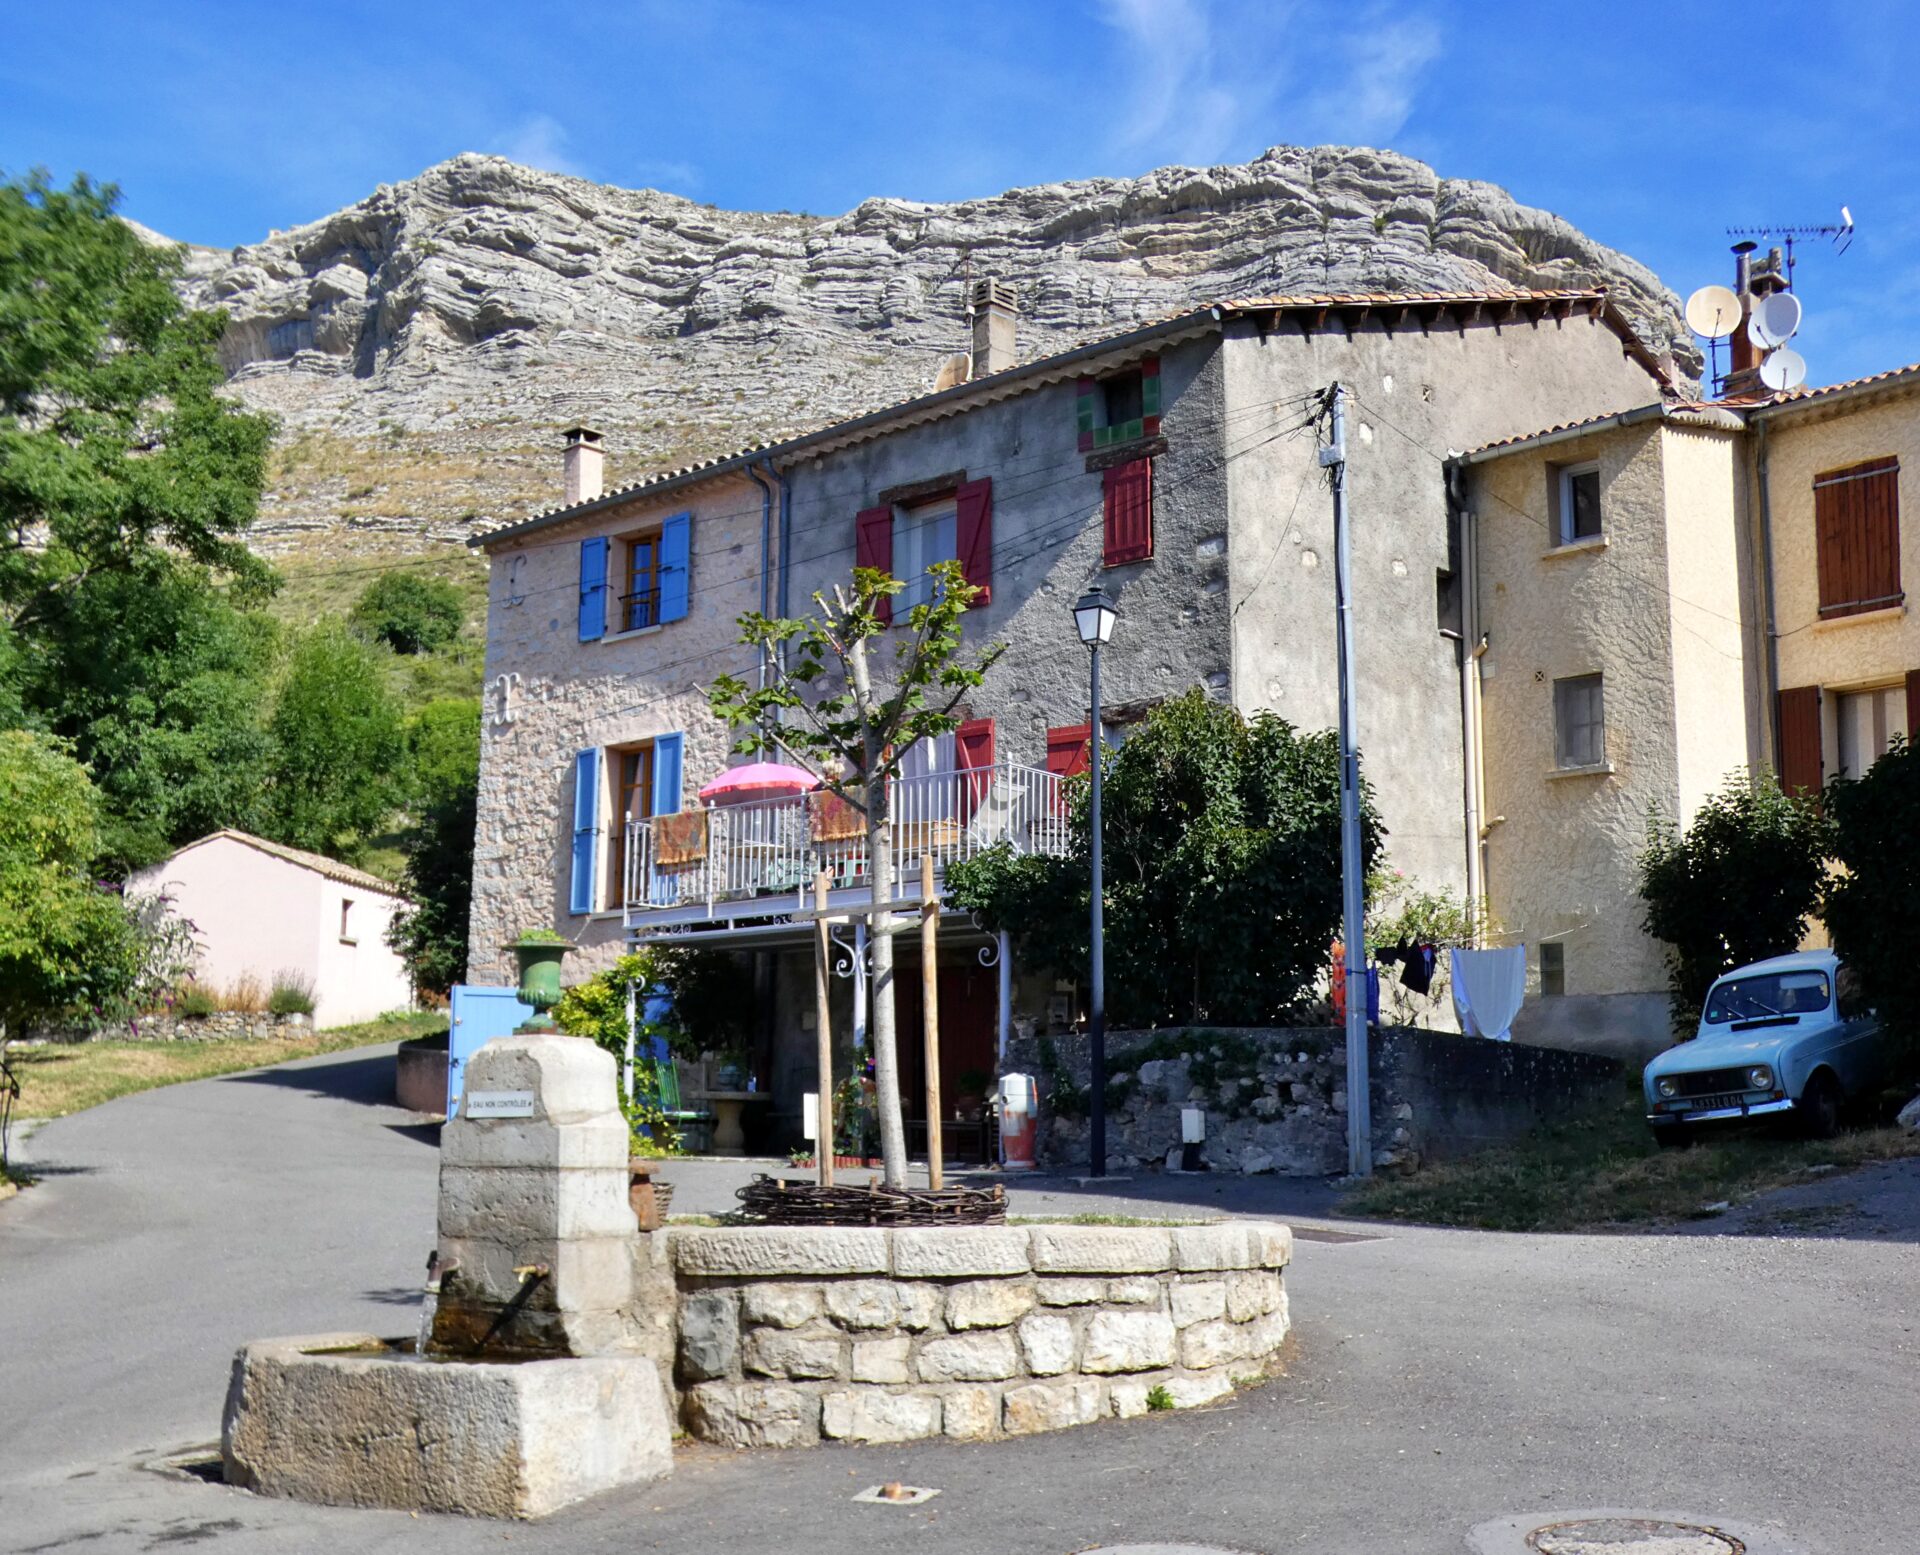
x: 973, y: 536
x: 1069, y: 750
x: 873, y: 547
x: 1129, y: 507
x: 1913, y: 707
x: 1856, y: 520
x: 973, y: 755
x: 1801, y: 768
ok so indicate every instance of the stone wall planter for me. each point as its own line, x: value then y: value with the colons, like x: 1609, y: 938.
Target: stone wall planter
x: 340, y: 1419
x: 789, y: 1336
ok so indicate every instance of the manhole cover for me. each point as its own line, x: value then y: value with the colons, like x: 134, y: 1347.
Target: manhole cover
x: 1631, y: 1536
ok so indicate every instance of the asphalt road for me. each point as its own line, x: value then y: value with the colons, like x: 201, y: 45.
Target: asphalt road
x: 1439, y: 1380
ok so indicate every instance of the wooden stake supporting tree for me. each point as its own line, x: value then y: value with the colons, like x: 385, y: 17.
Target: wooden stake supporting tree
x: 853, y: 732
x: 930, y: 1016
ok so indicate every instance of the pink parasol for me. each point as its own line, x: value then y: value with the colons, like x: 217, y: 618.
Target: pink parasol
x: 758, y: 780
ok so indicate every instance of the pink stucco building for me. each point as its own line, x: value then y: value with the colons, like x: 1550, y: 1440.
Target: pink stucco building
x: 261, y: 908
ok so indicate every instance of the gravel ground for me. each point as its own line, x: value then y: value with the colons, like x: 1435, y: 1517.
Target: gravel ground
x: 1438, y: 1380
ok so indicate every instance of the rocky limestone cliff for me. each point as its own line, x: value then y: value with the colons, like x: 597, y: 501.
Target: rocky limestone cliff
x: 425, y: 347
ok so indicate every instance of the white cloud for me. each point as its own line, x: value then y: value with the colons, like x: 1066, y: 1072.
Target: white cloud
x: 1220, y: 79
x: 540, y: 140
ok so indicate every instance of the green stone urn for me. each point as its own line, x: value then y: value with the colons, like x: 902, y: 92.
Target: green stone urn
x: 539, y: 954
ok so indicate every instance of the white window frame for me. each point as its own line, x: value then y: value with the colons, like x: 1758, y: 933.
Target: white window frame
x: 1890, y: 708
x: 917, y: 530
x: 1561, y: 742
x: 1565, y: 476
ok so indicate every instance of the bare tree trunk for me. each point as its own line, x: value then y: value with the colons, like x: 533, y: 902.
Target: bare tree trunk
x: 885, y: 1029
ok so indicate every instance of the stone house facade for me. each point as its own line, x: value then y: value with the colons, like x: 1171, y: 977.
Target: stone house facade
x: 1175, y: 462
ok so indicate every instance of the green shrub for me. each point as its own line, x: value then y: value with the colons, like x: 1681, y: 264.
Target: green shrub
x: 292, y: 994
x: 409, y: 613
x: 1739, y: 885
x: 1872, y: 906
x: 196, y: 1001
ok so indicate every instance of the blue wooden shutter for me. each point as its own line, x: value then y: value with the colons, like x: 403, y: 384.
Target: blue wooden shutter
x: 586, y: 827
x: 667, y: 750
x: 593, y: 589
x: 676, y: 551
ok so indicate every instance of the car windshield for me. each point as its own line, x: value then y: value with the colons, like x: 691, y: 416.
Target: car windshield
x: 1775, y: 993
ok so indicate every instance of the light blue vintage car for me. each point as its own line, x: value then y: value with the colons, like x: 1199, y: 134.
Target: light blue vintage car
x: 1788, y: 1039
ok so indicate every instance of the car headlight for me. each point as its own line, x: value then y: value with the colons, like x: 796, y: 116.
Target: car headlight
x: 1760, y: 1078
x: 1666, y: 1088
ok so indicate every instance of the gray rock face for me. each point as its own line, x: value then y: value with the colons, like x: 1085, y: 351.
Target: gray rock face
x: 424, y: 346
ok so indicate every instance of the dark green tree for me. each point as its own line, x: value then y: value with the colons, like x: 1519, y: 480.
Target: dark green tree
x: 443, y: 760
x: 1222, y: 838
x: 114, y: 438
x: 160, y: 684
x: 1741, y: 883
x: 67, y: 946
x: 1872, y: 904
x: 339, y: 745
x: 409, y: 613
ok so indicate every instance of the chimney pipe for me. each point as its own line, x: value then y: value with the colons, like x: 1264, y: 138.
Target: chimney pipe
x: 1743, y: 360
x: 585, y: 462
x: 994, y: 309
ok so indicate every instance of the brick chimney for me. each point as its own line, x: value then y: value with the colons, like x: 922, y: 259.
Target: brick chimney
x: 585, y: 465
x: 994, y: 309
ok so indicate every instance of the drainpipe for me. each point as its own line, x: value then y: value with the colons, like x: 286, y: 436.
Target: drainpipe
x: 1473, y: 644
x: 1771, y: 690
x: 766, y: 553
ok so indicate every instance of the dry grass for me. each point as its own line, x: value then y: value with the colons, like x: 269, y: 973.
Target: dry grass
x: 1603, y: 1170
x: 245, y: 995
x: 61, y: 1078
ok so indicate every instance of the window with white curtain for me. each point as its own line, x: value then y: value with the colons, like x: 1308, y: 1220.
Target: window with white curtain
x: 1868, y: 721
x: 922, y: 536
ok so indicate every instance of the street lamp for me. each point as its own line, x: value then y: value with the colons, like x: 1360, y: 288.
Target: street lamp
x: 1094, y: 616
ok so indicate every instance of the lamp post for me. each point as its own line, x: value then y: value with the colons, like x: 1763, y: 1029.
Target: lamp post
x: 1093, y: 616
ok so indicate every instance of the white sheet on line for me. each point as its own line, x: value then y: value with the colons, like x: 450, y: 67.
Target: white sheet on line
x: 1488, y: 986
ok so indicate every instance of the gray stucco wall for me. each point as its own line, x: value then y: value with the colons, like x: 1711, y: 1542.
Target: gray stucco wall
x: 1047, y: 546
x: 1416, y: 397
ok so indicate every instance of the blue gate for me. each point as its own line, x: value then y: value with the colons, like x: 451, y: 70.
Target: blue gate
x: 479, y: 1015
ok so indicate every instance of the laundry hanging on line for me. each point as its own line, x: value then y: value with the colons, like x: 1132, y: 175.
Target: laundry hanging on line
x: 1488, y: 987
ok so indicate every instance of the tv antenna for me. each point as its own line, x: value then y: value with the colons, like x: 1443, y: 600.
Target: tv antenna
x: 1842, y: 236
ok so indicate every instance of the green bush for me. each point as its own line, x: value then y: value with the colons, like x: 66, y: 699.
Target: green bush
x: 1872, y: 905
x: 1222, y: 856
x: 339, y: 757
x: 409, y: 613
x: 291, y: 994
x: 196, y: 1001
x: 1740, y: 884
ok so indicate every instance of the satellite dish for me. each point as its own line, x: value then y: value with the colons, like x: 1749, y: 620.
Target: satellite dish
x: 1714, y: 312
x: 954, y: 371
x: 1785, y: 369
x: 1775, y: 318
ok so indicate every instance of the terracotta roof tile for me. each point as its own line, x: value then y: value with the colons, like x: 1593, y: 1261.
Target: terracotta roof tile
x: 319, y: 863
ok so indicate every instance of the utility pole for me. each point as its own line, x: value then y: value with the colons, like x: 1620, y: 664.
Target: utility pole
x: 1352, y: 891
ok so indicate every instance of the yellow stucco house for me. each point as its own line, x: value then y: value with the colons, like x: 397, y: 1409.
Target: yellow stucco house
x: 1652, y: 601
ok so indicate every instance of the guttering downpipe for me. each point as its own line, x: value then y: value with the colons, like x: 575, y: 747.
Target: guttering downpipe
x: 1472, y: 645
x: 766, y: 554
x: 1766, y: 570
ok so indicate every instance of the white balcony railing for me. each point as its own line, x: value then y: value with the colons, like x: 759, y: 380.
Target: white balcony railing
x: 733, y: 853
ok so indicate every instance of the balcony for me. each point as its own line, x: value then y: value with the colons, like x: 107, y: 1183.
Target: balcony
x: 745, y: 862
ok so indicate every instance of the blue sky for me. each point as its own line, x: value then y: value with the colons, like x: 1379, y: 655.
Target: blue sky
x: 1653, y: 128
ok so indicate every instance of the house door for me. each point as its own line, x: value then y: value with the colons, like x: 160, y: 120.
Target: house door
x: 479, y: 1015
x: 969, y: 1008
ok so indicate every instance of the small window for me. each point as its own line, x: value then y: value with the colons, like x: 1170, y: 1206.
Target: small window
x: 1553, y: 970
x: 1579, y: 503
x: 1122, y: 407
x: 640, y: 582
x: 1579, y: 722
x: 1868, y: 721
x: 346, y: 921
x: 632, y: 768
x: 923, y: 535
x: 1856, y: 522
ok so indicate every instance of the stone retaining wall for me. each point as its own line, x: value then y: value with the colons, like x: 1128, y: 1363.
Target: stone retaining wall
x: 1275, y: 1099
x: 223, y: 1025
x: 789, y: 1336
